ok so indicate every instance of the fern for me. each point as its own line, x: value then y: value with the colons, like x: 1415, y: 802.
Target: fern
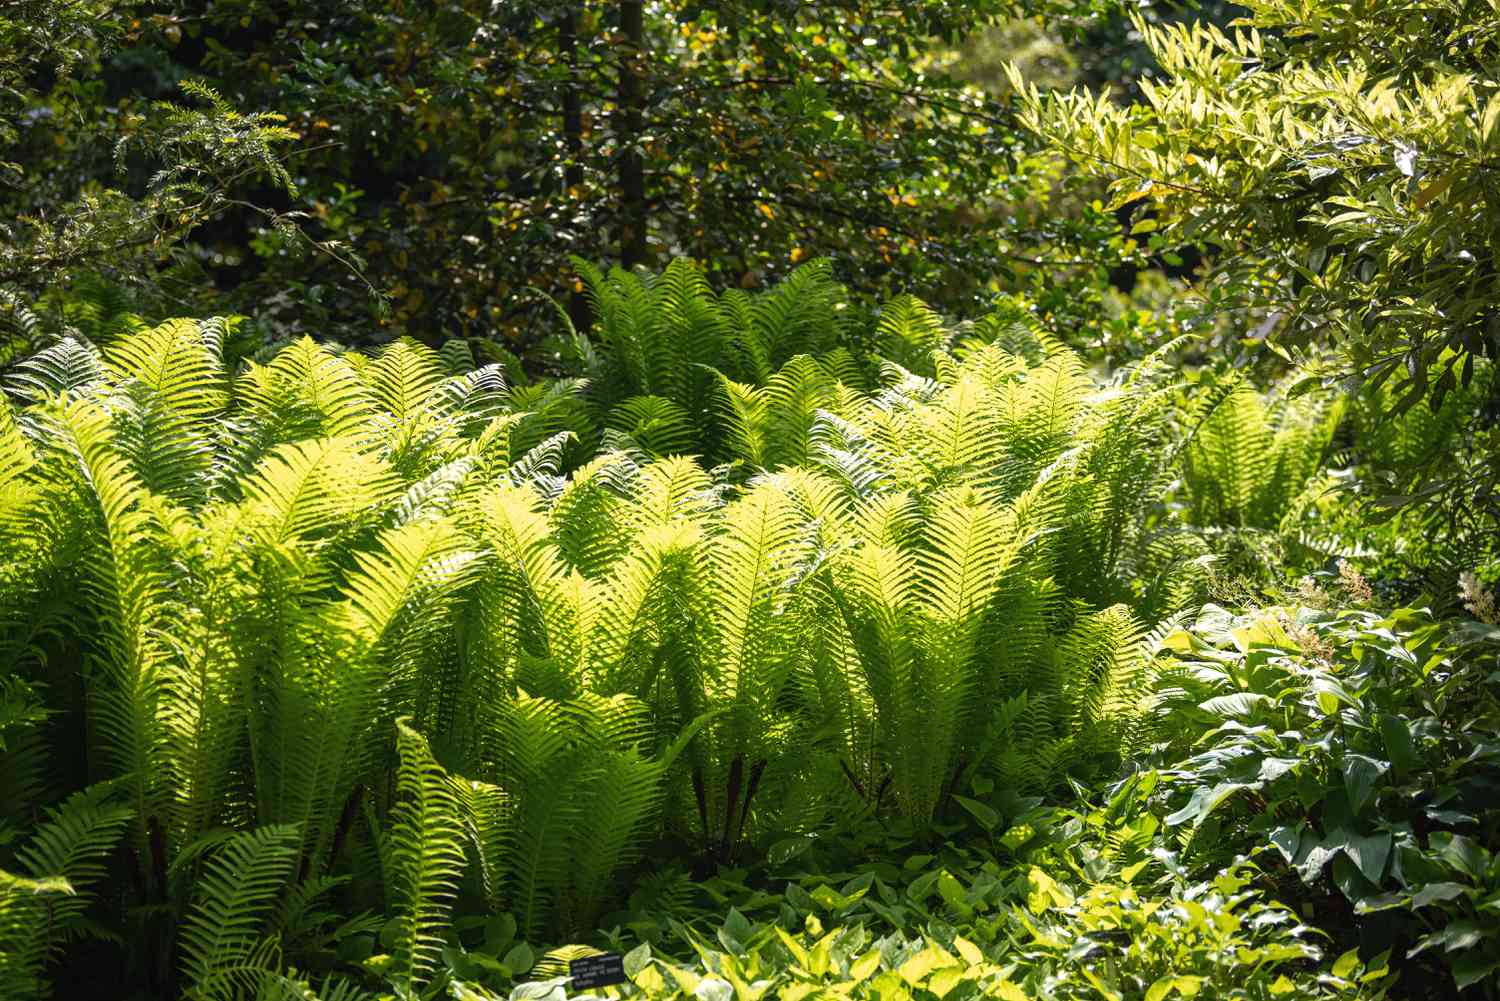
x: 660, y: 426
x: 64, y: 862
x: 883, y: 594
x: 224, y: 949
x: 426, y: 861
x: 909, y: 333
x: 69, y: 366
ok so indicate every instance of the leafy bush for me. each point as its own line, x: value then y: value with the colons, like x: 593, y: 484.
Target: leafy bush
x: 394, y: 665
x: 1358, y: 751
x: 1251, y: 458
x: 1340, y: 150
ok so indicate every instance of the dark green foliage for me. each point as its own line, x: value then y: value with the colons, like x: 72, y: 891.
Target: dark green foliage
x: 914, y: 599
x: 1346, y: 179
x: 1355, y: 753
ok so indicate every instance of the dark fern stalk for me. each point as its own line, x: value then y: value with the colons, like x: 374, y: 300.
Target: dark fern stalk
x: 731, y: 802
x: 756, y: 771
x: 346, y: 821
x: 702, y: 797
x: 854, y: 781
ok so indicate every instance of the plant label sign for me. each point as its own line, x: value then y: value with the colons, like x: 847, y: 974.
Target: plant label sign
x: 597, y: 971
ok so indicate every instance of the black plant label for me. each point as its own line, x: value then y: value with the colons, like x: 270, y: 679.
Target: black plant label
x: 597, y: 971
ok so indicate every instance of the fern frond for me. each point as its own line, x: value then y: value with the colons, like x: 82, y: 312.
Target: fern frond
x: 179, y: 362
x: 307, y: 378
x: 70, y: 366
x: 1104, y: 661
x: 316, y: 488
x: 585, y: 517
x: 127, y: 591
x: 971, y: 543
x: 404, y: 377
x: 426, y: 859
x: 669, y: 490
x: 660, y: 426
x: 535, y: 759
x: 64, y: 860
x: 840, y: 448
x: 804, y: 314
x: 909, y: 332
x: 224, y: 949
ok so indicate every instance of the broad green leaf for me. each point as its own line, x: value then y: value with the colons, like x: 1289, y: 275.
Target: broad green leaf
x: 519, y: 959
x: 1360, y: 775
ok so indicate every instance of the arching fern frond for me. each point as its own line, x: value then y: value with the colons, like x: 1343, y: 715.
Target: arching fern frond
x: 224, y: 947
x: 70, y: 365
x: 426, y: 860
x: 64, y: 860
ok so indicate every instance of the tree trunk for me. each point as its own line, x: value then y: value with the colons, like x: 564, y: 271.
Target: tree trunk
x: 628, y: 133
x: 572, y: 125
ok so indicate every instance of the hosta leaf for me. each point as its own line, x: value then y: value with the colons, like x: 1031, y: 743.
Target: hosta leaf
x: 1369, y: 854
x: 1434, y: 893
x: 988, y: 816
x: 943, y: 981
x: 1360, y: 775
x: 1462, y: 853
x: 1287, y: 840
x: 1205, y: 801
x: 1238, y: 705
x: 1473, y: 967
x: 865, y: 966
x: 1272, y: 769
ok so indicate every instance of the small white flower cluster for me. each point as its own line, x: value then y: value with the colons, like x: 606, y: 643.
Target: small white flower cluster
x: 1479, y: 601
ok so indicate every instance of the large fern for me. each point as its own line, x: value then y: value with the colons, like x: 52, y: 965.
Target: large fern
x: 63, y: 863
x: 225, y: 949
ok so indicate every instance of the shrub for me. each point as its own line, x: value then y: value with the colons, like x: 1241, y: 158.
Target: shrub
x: 1359, y: 753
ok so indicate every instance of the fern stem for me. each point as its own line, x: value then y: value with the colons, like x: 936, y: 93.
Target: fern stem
x: 756, y: 771
x: 731, y: 803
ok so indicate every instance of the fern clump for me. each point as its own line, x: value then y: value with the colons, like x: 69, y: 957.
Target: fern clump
x: 398, y: 630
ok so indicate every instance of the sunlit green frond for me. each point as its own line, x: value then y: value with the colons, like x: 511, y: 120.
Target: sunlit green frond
x: 1106, y: 668
x: 308, y: 377
x: 534, y: 738
x: 669, y: 490
x: 317, y: 488
x: 125, y: 575
x: 64, y: 861
x: 804, y: 314
x: 586, y: 516
x: 971, y: 542
x: 660, y: 426
x: 840, y: 448
x: 179, y: 362
x: 909, y: 331
x: 426, y: 860
x: 70, y: 365
x: 404, y: 376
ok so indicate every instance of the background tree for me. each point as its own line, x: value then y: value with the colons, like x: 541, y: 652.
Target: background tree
x: 1346, y: 151
x: 92, y: 185
x: 465, y: 152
